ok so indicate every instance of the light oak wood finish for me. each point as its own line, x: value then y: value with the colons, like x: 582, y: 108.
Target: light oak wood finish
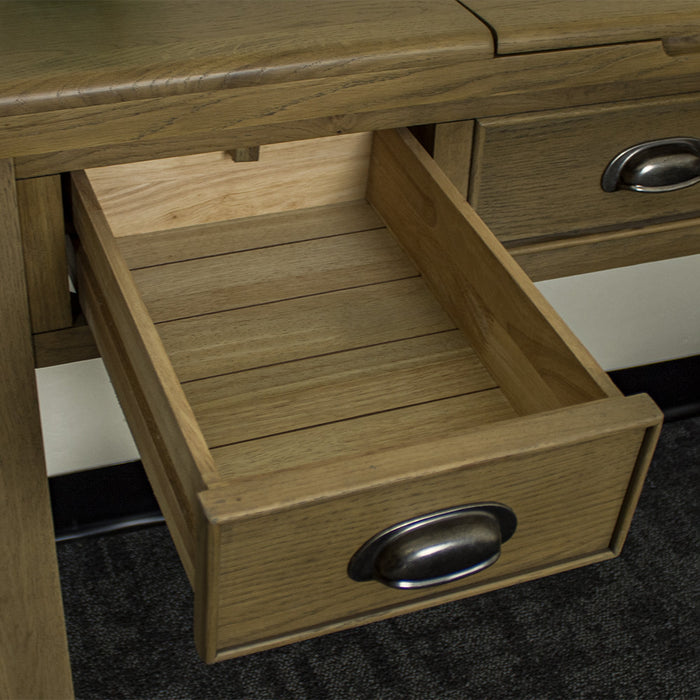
x: 204, y: 77
x: 536, y: 359
x: 249, y: 278
x: 551, y: 164
x: 43, y: 242
x: 360, y: 436
x: 222, y: 119
x: 601, y: 251
x: 124, y: 51
x: 140, y: 198
x: 452, y: 151
x: 315, y: 391
x: 344, y: 401
x: 535, y: 465
x: 33, y: 646
x: 123, y: 320
x: 231, y: 341
x: 157, y: 455
x: 561, y: 24
x: 219, y: 238
x: 73, y: 344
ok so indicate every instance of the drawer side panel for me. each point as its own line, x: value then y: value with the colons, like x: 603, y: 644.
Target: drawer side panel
x: 174, y: 502
x: 537, y: 361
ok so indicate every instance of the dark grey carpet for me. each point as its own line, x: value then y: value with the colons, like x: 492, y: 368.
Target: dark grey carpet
x: 627, y: 628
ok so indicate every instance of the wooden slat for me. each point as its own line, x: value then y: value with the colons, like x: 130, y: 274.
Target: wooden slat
x: 361, y: 436
x: 72, y: 344
x: 335, y: 387
x: 231, y: 236
x: 43, y: 240
x: 33, y: 646
x: 480, y: 447
x: 601, y: 251
x: 152, y: 369
x: 452, y: 151
x: 208, y: 285
x: 232, y: 341
x: 188, y: 190
x: 535, y: 358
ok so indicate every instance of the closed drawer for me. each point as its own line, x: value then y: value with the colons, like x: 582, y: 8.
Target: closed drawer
x: 332, y: 360
x: 536, y: 176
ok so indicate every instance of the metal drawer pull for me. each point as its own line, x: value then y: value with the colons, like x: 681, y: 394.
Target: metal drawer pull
x: 655, y: 166
x: 435, y: 548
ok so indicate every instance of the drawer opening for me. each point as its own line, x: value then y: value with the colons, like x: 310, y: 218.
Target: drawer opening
x: 343, y: 302
x: 237, y: 261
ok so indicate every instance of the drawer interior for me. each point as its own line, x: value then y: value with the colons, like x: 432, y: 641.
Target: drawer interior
x: 305, y: 332
x: 272, y: 327
x: 303, y: 351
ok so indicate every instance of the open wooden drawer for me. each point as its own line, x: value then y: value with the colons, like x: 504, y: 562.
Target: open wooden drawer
x: 305, y: 377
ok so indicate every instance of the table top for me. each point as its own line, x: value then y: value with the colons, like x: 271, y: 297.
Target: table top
x: 56, y: 54
x: 86, y: 83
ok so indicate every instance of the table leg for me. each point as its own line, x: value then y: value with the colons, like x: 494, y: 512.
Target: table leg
x: 33, y: 646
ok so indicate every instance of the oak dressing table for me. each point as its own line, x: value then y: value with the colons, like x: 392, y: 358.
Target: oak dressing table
x: 241, y: 179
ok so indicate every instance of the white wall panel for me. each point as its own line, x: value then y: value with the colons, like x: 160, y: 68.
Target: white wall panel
x: 636, y: 315
x: 81, y: 419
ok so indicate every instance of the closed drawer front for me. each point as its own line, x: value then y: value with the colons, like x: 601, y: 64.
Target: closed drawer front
x: 539, y: 175
x: 316, y: 347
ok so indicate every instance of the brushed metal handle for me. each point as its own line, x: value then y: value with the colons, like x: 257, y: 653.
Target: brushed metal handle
x: 435, y: 548
x: 664, y: 165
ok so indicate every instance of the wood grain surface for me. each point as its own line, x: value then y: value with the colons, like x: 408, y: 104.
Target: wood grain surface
x: 231, y: 341
x: 178, y: 192
x: 91, y: 84
x: 601, y: 251
x: 79, y: 54
x: 152, y: 370
x: 558, y: 518
x: 562, y: 24
x: 33, y: 645
x: 564, y: 457
x: 43, y: 242
x: 349, y: 439
x: 261, y: 276
x: 537, y: 361
x: 328, y: 389
x: 158, y: 455
x: 248, y: 233
x: 452, y: 151
x: 222, y: 119
x: 551, y: 165
x: 331, y: 395
x: 72, y: 344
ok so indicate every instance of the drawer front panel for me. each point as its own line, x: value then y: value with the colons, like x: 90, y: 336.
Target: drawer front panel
x: 538, y: 176
x: 292, y: 564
